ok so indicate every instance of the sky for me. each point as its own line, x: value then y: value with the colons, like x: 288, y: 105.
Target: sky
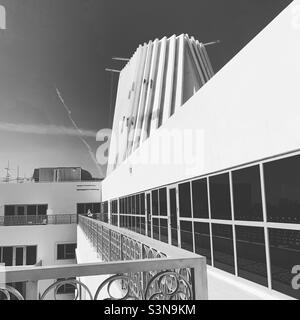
x: 67, y: 44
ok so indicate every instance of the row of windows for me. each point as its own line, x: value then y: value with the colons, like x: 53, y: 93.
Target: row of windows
x: 132, y: 205
x: 21, y: 210
x: 282, y: 189
x: 133, y: 223
x: 18, y: 256
x: 236, y: 195
x: 284, y: 251
x: 84, y: 208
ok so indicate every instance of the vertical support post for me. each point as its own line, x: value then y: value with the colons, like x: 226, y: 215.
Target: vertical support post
x: 32, y: 290
x: 200, y: 279
x: 109, y: 245
x: 266, y: 233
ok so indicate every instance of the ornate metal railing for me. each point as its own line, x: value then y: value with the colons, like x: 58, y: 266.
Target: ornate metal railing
x: 115, y: 244
x: 134, y: 267
x: 38, y: 219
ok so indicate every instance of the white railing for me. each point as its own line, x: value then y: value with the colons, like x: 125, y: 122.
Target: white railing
x: 142, y: 268
x: 38, y: 219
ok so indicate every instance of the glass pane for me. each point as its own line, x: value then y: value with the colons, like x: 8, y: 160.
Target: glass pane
x: 20, y: 210
x: 202, y: 240
x: 186, y: 233
x: 154, y: 202
x: 133, y: 201
x: 9, y: 210
x: 251, y: 254
x: 223, y: 247
x: 164, y: 230
x: 138, y: 205
x: 31, y: 255
x: 284, y: 255
x: 142, y: 203
x: 7, y: 256
x: 96, y: 208
x: 80, y: 208
x: 143, y: 227
x: 173, y: 216
x: 220, y: 197
x: 247, y: 194
x: 89, y: 206
x: 163, y: 211
x: 155, y: 228
x: 31, y: 210
x: 60, y: 251
x: 19, y: 256
x: 70, y: 251
x: 42, y: 209
x: 282, y: 186
x: 200, y: 200
x: 184, y: 200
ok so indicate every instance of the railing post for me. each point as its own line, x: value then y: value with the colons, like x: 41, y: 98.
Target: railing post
x: 102, y: 242
x: 32, y: 290
x: 199, y: 279
x: 109, y: 245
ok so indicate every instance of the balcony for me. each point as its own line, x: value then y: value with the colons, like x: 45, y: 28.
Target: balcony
x: 133, y: 267
x: 25, y: 220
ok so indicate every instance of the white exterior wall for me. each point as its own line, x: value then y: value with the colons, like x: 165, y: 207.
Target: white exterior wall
x: 46, y: 238
x: 248, y: 111
x: 61, y: 197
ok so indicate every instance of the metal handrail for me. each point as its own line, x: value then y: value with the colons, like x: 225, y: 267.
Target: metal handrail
x: 38, y: 219
x: 146, y: 268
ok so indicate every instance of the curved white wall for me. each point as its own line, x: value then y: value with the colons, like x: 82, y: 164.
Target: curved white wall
x: 249, y: 110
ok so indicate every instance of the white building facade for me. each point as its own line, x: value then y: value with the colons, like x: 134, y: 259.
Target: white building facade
x: 38, y: 225
x: 220, y: 175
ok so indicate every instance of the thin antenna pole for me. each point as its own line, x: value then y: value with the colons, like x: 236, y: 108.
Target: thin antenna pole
x: 7, y: 178
x: 18, y: 177
x: 211, y: 43
x: 112, y: 70
x: 120, y: 59
x: 111, y: 96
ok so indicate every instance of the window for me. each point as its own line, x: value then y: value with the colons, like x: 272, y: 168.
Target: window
x: 155, y: 228
x: 251, y: 254
x: 223, y: 247
x: 247, y: 194
x: 6, y: 256
x: 282, y: 187
x: 202, y: 240
x: 137, y: 205
x: 42, y: 209
x: 142, y: 196
x: 284, y: 255
x: 154, y: 202
x: 164, y: 230
x: 27, y: 209
x: 66, y: 288
x: 83, y: 208
x: 185, y: 200
x: 31, y: 252
x: 31, y: 210
x: 186, y: 235
x: 9, y: 210
x: 66, y: 251
x: 220, y: 197
x: 18, y: 256
x: 200, y: 200
x: 163, y: 211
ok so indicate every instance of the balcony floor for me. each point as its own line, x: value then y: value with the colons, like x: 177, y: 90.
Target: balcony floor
x: 224, y: 286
